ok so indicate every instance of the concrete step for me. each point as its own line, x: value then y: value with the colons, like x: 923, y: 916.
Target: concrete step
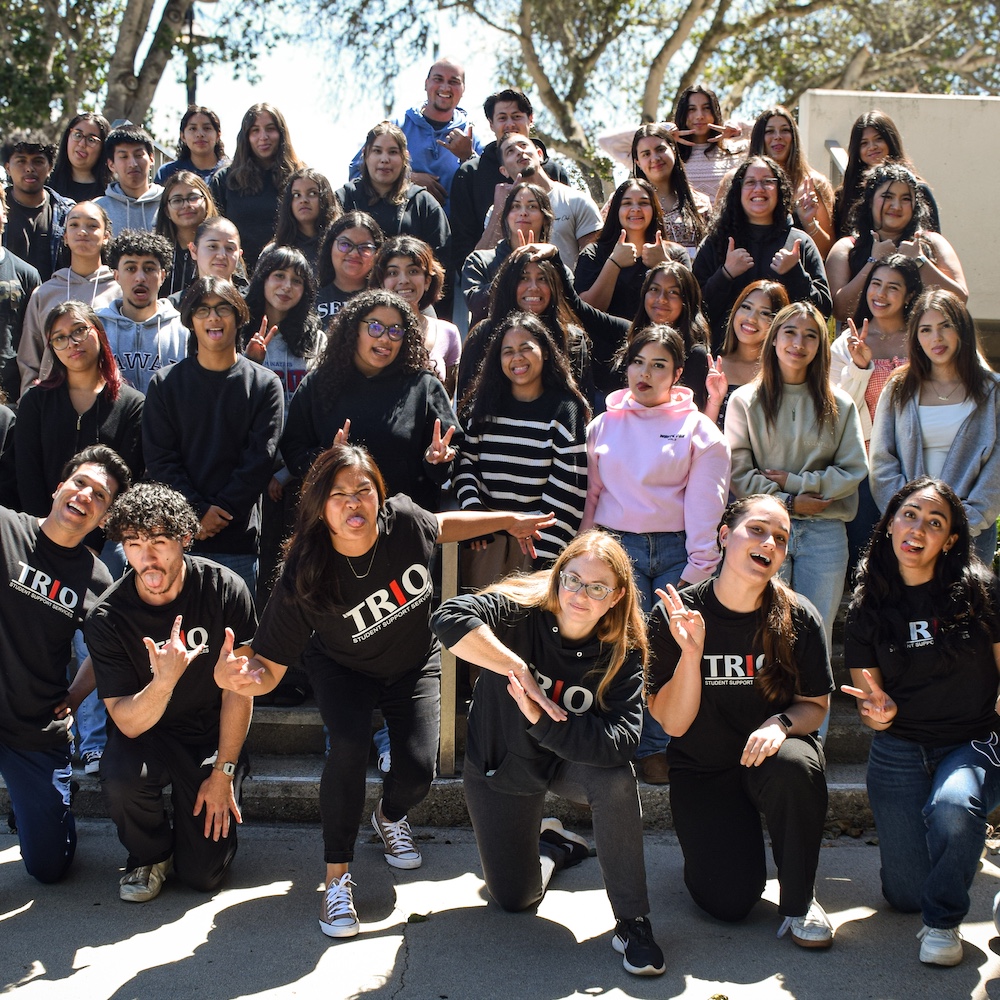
x: 285, y: 788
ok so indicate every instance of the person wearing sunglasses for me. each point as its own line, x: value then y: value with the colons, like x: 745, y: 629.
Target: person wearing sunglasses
x: 558, y: 707
x: 346, y: 259
x: 210, y: 428
x: 375, y: 385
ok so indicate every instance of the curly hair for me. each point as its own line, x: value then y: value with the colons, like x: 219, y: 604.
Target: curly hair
x: 140, y: 243
x: 730, y: 218
x: 166, y: 226
x: 336, y: 366
x: 152, y: 509
x: 349, y: 220
x: 961, y: 587
x: 679, y: 183
x: 301, y: 328
x: 611, y: 231
x: 106, y: 363
x: 286, y: 230
x: 691, y: 324
x: 489, y: 385
x: 861, y: 218
x: 416, y: 250
x: 309, y: 570
x: 621, y: 630
x: 778, y: 677
x: 245, y: 174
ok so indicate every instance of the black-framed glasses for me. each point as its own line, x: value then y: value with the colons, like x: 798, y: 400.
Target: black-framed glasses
x: 595, y: 591
x: 376, y: 329
x: 77, y: 336
x: 346, y: 246
x: 223, y: 310
x: 185, y: 199
x: 91, y: 140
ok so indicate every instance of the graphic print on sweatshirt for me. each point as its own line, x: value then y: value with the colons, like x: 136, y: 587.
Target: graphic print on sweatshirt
x: 382, y: 607
x: 575, y: 698
x: 730, y: 669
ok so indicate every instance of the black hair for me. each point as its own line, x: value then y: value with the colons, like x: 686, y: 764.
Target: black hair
x: 152, y: 509
x: 127, y: 135
x: 140, y: 243
x: 301, y: 328
x: 28, y: 142
x: 349, y: 220
x: 108, y: 458
x: 225, y: 290
x: 508, y: 96
x: 62, y: 172
x: 183, y: 153
x: 913, y: 284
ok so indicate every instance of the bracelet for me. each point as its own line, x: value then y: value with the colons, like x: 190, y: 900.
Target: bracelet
x: 872, y: 260
x: 613, y: 261
x: 726, y: 273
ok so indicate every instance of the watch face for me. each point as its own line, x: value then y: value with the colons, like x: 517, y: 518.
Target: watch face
x: 227, y: 768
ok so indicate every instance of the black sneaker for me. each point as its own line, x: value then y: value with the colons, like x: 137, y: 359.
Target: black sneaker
x: 555, y: 834
x: 641, y: 955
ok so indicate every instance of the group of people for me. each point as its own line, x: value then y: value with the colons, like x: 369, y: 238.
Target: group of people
x: 632, y: 417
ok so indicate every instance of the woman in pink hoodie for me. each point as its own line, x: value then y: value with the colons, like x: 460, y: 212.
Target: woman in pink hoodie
x: 658, y: 479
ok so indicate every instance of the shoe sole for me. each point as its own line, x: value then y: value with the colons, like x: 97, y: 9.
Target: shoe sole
x: 341, y: 931
x: 646, y: 970
x: 138, y: 897
x: 556, y: 827
x: 806, y: 943
x: 406, y: 864
x: 944, y: 960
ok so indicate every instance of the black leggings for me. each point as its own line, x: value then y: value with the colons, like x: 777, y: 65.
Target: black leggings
x: 717, y: 819
x: 507, y: 828
x: 411, y: 706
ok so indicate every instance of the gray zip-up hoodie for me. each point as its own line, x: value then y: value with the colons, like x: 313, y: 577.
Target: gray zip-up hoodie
x: 131, y: 213
x: 96, y: 289
x: 143, y: 348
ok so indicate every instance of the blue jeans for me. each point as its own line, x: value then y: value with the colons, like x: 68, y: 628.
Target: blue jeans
x: 91, y: 716
x: 930, y: 807
x: 38, y: 784
x: 242, y: 565
x: 985, y: 545
x: 658, y: 558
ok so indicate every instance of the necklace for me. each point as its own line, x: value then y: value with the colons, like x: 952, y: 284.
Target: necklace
x: 889, y: 333
x: 371, y: 561
x: 950, y: 394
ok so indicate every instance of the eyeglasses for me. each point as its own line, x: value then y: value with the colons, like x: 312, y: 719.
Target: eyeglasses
x: 77, y: 335
x: 345, y: 246
x: 190, y: 199
x: 595, y: 591
x: 223, y: 310
x: 91, y: 140
x: 376, y: 329
x: 768, y: 183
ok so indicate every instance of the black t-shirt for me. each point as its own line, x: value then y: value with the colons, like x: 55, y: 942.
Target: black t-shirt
x: 939, y: 704
x: 212, y: 598
x: 49, y: 590
x: 732, y: 705
x: 380, y: 626
x: 28, y: 234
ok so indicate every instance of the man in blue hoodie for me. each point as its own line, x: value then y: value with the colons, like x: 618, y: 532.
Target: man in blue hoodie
x: 145, y: 332
x: 36, y: 217
x: 438, y: 134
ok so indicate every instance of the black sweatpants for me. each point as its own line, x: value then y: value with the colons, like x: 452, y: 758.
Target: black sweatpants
x: 411, y: 707
x: 717, y: 819
x: 134, y: 773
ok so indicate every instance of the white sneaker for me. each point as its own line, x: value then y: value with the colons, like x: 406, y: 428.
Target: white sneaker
x: 812, y: 930
x: 144, y: 883
x: 940, y: 945
x: 339, y: 919
x: 400, y: 851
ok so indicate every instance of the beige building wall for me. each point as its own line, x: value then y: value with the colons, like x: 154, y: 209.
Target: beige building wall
x: 954, y: 142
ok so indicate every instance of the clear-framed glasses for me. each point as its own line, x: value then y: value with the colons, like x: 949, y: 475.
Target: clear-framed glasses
x: 376, y: 329
x: 77, y: 336
x: 223, y: 310
x: 91, y: 140
x: 767, y: 183
x: 185, y: 199
x: 595, y: 591
x: 346, y: 246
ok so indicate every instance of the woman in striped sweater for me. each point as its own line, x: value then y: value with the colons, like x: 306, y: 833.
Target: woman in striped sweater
x: 525, y: 447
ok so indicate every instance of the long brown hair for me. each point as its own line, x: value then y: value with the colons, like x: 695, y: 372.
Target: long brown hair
x: 778, y: 677
x: 817, y: 376
x: 246, y: 175
x: 776, y: 293
x: 622, y: 628
x: 397, y: 193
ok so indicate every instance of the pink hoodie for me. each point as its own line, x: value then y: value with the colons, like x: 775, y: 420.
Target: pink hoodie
x: 659, y: 468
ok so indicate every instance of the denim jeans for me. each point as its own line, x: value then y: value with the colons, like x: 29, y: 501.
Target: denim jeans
x: 930, y: 806
x: 91, y: 716
x: 658, y: 558
x: 816, y: 565
x: 38, y: 785
x: 985, y: 545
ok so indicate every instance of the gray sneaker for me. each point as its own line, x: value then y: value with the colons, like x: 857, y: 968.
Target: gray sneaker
x: 940, y: 945
x: 144, y: 883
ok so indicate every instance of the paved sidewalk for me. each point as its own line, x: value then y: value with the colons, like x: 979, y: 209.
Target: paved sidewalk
x: 260, y: 937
